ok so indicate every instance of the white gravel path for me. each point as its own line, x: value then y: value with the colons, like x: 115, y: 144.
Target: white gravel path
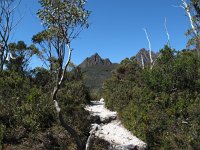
x: 113, y: 132
x: 98, y: 109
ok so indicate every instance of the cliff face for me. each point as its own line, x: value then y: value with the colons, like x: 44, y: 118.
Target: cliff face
x: 94, y: 60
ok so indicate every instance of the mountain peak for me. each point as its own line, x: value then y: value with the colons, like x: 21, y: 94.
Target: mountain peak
x: 96, y: 54
x: 95, y: 60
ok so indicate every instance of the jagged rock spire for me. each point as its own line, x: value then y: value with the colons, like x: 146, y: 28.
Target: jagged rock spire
x: 95, y: 60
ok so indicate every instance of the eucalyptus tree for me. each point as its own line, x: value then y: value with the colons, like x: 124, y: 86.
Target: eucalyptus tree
x: 63, y: 20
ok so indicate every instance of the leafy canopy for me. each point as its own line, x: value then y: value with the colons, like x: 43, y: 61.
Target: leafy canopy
x: 62, y: 17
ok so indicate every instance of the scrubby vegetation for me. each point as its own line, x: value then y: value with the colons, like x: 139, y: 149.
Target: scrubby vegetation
x: 159, y: 105
x: 43, y: 108
x: 27, y: 116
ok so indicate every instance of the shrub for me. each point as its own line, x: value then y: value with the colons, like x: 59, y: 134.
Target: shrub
x: 159, y: 105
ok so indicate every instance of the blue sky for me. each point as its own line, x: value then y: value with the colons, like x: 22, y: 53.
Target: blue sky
x: 115, y: 30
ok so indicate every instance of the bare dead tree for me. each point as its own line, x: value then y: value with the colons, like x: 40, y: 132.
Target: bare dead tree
x: 142, y: 59
x: 167, y: 33
x: 7, y: 24
x: 150, y: 50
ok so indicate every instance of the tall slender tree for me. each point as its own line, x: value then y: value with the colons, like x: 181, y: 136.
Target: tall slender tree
x: 64, y: 20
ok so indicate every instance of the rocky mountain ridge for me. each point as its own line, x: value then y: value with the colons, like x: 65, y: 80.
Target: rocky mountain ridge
x: 96, y: 69
x: 95, y: 60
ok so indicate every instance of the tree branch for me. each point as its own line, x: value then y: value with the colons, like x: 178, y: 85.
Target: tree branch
x: 150, y: 55
x: 168, y: 36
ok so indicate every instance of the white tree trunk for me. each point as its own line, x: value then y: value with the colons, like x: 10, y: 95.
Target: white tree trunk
x: 168, y: 36
x: 60, y: 80
x: 187, y: 9
x: 150, y: 53
x: 142, y: 59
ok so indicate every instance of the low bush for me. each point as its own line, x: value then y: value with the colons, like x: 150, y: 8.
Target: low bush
x: 159, y: 105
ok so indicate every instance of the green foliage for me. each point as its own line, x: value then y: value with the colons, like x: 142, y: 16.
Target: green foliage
x: 2, y: 128
x: 26, y: 108
x: 20, y: 55
x: 41, y: 77
x: 42, y: 36
x: 70, y: 13
x: 62, y: 20
x: 73, y: 97
x: 99, y: 144
x: 22, y: 104
x: 159, y: 105
x: 37, y: 110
